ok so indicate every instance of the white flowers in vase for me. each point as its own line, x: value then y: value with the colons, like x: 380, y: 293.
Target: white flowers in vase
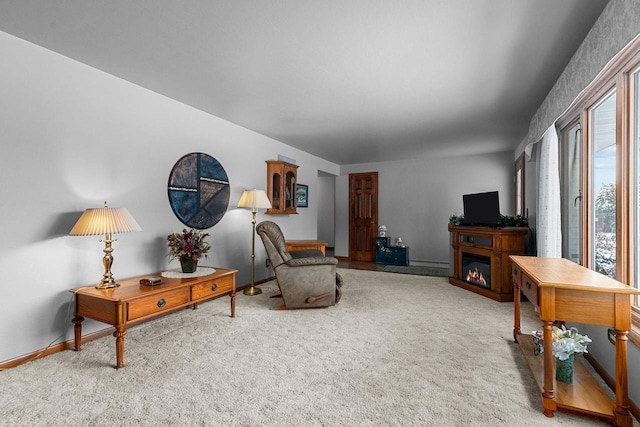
x: 567, y: 342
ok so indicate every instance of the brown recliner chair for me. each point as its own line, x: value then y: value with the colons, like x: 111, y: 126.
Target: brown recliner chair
x: 304, y: 282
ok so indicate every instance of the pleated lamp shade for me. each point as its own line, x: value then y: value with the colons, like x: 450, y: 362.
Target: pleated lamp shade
x: 254, y: 199
x: 103, y: 221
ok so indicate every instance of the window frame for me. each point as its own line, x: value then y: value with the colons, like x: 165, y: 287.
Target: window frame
x: 618, y: 77
x: 577, y: 121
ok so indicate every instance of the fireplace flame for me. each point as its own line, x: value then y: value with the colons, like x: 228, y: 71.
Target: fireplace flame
x: 475, y: 276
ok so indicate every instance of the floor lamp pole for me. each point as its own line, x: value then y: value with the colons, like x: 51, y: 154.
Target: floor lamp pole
x: 253, y: 290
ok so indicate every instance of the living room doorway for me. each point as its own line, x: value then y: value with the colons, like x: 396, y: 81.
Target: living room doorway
x: 326, y: 209
x: 363, y: 216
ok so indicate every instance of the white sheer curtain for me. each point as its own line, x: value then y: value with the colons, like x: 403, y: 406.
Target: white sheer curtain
x: 549, y: 231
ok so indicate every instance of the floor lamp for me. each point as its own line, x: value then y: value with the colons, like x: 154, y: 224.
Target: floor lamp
x: 254, y: 199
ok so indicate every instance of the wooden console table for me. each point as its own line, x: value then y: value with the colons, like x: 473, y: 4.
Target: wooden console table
x: 562, y: 290
x: 132, y: 302
x: 298, y: 245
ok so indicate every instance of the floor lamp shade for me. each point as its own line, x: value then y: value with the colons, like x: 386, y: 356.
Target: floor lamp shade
x: 254, y: 199
x: 105, y: 221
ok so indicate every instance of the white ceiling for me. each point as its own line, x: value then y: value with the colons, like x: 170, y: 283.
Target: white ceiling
x: 351, y: 81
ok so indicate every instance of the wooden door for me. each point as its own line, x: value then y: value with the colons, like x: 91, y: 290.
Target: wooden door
x: 363, y: 216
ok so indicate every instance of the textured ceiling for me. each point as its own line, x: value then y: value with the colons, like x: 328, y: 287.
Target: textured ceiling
x: 351, y: 81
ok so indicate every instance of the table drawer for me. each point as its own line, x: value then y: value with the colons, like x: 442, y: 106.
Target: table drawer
x: 516, y: 276
x: 530, y: 290
x: 213, y: 287
x: 157, y: 303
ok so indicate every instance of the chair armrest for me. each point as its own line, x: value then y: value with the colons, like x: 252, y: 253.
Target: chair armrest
x: 318, y: 260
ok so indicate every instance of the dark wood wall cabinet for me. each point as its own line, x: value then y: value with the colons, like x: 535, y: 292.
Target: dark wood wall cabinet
x: 282, y: 178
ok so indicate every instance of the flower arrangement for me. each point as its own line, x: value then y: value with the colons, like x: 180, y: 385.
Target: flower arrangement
x: 513, y: 221
x: 567, y: 342
x: 456, y: 219
x: 188, y: 245
x: 505, y: 220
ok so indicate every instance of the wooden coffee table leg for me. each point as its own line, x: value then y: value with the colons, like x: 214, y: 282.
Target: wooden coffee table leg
x: 233, y: 303
x: 77, y: 331
x: 119, y: 335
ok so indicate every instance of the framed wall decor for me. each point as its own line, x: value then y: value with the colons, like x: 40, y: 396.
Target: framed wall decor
x: 198, y: 190
x: 302, y: 196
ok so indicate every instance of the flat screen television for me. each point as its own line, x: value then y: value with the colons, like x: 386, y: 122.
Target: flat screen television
x: 481, y: 209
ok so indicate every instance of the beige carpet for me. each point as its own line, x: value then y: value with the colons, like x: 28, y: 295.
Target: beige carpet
x: 399, y: 350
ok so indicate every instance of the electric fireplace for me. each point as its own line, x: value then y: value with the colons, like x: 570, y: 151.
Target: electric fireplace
x: 476, y: 269
x: 480, y: 259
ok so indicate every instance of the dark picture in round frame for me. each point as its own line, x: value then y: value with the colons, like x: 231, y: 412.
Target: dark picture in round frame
x: 198, y: 190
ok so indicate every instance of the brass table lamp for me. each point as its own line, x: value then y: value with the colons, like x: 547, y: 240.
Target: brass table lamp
x: 105, y: 221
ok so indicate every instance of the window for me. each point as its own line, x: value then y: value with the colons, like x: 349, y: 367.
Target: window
x: 519, y: 186
x: 571, y: 194
x: 600, y: 175
x: 603, y: 203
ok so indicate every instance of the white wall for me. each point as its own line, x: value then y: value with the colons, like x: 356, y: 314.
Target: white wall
x: 416, y: 198
x: 73, y: 137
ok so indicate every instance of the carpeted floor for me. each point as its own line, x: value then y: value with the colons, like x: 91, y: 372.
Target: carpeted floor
x: 399, y: 350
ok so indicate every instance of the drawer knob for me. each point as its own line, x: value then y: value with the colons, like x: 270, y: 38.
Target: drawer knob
x: 528, y: 285
x: 214, y: 287
x: 161, y: 302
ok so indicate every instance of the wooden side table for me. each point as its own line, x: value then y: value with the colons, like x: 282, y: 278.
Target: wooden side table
x: 132, y: 302
x: 298, y: 245
x: 563, y: 290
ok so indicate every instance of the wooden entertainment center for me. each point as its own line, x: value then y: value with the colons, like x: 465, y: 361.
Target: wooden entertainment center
x: 493, y: 244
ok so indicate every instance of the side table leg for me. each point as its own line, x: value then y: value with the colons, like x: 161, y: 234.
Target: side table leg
x: 623, y: 417
x: 77, y: 330
x: 516, y: 312
x: 233, y: 303
x: 119, y: 335
x: 548, y: 396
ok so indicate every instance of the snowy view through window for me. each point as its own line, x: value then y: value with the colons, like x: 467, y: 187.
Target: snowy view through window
x: 604, y: 186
